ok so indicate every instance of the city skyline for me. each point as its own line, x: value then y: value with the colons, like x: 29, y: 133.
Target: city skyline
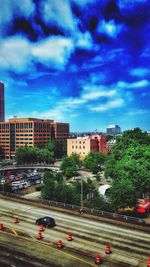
x: 84, y: 62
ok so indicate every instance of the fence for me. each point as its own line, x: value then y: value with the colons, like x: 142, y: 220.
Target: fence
x: 77, y: 208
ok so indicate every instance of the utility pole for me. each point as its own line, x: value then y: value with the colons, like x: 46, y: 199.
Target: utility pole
x: 81, y: 201
x: 3, y: 180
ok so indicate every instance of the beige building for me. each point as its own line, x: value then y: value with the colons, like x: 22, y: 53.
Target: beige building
x: 84, y: 145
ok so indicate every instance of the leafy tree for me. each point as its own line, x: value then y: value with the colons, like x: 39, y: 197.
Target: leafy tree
x: 123, y: 194
x: 70, y: 171
x: 1, y: 153
x: 48, y: 186
x: 70, y: 164
x: 94, y: 161
x: 129, y: 162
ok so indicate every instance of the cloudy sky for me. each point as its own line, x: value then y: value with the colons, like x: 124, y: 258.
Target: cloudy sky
x: 86, y: 62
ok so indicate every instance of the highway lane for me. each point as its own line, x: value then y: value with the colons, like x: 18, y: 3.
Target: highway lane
x: 129, y: 246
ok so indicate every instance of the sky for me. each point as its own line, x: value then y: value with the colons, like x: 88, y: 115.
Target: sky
x: 86, y: 62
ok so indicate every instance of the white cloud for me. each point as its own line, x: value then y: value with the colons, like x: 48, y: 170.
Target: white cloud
x: 10, y: 8
x: 115, y: 103
x: 18, y: 54
x: 14, y: 54
x: 109, y: 28
x: 59, y: 12
x: 98, y: 93
x: 138, y: 112
x: 53, y: 50
x: 84, y: 40
x: 138, y: 84
x: 139, y: 72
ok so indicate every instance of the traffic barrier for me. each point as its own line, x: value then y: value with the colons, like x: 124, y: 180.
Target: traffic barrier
x: 41, y: 229
x: 1, y: 227
x: 16, y: 219
x: 108, y: 250
x: 59, y: 244
x: 39, y: 236
x: 69, y: 237
x: 148, y: 265
x: 98, y: 259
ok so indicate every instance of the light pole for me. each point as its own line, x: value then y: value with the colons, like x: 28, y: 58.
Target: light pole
x: 3, y: 181
x: 81, y: 200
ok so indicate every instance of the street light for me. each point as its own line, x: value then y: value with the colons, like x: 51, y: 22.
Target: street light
x: 3, y: 181
x: 81, y: 200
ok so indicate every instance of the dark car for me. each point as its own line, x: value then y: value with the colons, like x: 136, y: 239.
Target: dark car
x: 46, y: 221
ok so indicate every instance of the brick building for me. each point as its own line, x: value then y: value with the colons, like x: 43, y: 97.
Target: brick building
x: 29, y: 132
x: 84, y: 145
x: 2, y: 112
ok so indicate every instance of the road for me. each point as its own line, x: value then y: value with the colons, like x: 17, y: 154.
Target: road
x: 129, y: 247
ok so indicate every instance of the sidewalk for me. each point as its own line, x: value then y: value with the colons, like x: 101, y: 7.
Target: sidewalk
x: 34, y: 195
x: 147, y: 220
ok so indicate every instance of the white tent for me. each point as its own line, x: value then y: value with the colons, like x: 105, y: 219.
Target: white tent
x: 103, y: 188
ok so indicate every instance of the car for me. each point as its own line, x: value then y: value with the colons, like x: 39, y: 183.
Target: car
x: 46, y: 221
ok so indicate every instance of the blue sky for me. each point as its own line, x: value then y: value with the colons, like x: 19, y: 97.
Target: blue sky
x: 86, y: 62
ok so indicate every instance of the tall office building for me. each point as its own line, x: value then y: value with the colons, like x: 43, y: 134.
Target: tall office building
x: 30, y: 132
x: 113, y: 129
x: 2, y: 112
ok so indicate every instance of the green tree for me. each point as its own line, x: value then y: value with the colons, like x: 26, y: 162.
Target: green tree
x: 70, y: 165
x: 123, y: 194
x: 129, y: 161
x: 94, y: 161
x: 70, y: 171
x: 1, y: 153
x: 48, y: 189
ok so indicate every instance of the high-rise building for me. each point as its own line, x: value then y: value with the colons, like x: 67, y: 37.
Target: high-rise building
x: 28, y: 132
x: 113, y: 129
x: 2, y: 112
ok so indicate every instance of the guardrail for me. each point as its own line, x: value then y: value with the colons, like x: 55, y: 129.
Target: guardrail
x: 78, y: 208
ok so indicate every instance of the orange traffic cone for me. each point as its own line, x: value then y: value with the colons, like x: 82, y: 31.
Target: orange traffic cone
x: 39, y: 236
x: 41, y: 229
x: 107, y: 250
x: 15, y: 219
x: 1, y: 227
x: 148, y: 265
x: 59, y: 244
x: 98, y: 259
x: 69, y: 237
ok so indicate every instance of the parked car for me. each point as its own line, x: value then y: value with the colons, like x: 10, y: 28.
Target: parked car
x: 46, y: 221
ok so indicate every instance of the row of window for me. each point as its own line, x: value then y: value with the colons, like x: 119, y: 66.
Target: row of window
x: 23, y: 143
x: 78, y: 147
x: 24, y: 131
x: 24, y: 125
x: 79, y: 142
x: 4, y: 126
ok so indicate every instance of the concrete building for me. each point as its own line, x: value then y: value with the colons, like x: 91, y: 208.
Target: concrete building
x: 84, y: 145
x: 2, y: 111
x: 113, y: 129
x: 27, y: 132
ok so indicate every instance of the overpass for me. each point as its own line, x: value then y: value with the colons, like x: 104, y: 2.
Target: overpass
x: 37, y: 167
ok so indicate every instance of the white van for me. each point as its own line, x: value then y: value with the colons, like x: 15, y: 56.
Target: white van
x: 17, y: 185
x: 20, y: 184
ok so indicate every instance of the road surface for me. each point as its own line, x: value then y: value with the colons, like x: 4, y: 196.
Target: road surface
x: 129, y: 247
